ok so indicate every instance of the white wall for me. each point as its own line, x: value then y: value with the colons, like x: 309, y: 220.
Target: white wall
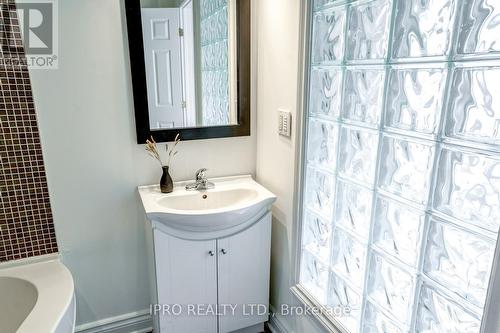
x: 278, y: 39
x: 94, y: 165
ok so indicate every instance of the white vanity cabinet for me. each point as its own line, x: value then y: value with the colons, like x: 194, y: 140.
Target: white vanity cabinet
x: 228, y: 276
x: 243, y: 277
x: 186, y: 273
x: 209, y: 256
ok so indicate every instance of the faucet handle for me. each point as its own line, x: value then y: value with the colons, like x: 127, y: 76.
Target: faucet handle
x: 200, y: 174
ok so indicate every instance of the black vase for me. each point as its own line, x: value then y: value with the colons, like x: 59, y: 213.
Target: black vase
x: 166, y: 183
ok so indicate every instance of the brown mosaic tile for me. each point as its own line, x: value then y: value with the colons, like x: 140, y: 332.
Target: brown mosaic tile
x: 26, y: 224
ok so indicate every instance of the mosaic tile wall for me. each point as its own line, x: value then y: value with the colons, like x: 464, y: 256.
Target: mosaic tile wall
x: 26, y: 226
x: 402, y: 183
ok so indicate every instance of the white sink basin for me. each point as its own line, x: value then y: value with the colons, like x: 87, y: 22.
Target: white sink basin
x: 231, y: 205
x: 199, y: 201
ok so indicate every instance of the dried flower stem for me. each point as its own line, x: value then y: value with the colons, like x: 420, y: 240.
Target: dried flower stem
x: 173, y: 152
x: 152, y: 150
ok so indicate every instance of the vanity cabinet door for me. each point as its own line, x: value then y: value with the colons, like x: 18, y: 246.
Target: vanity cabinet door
x: 244, y: 261
x: 186, y: 273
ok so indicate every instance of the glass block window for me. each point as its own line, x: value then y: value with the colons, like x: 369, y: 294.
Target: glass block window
x: 214, y: 39
x: 401, y: 202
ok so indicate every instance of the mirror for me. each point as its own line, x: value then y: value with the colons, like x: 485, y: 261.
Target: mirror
x: 190, y: 62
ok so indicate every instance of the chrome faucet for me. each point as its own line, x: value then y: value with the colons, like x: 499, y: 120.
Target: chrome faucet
x: 201, y: 182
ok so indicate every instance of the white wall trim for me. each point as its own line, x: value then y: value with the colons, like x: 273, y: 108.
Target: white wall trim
x: 491, y: 322
x: 325, y: 322
x: 301, y: 128
x: 275, y: 324
x: 134, y: 322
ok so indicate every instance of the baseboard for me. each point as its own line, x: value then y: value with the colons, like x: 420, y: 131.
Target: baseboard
x: 274, y: 324
x: 135, y: 322
x: 141, y: 322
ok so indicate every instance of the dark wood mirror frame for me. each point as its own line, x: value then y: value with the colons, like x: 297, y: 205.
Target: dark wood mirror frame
x: 138, y: 70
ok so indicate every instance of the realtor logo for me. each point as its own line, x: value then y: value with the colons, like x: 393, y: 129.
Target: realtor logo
x: 39, y: 28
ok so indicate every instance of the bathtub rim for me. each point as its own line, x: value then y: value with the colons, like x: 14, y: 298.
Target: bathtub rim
x: 29, y: 260
x: 54, y: 300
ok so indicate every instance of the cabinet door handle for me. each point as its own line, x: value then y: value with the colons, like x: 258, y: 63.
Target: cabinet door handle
x: 223, y: 251
x: 211, y: 253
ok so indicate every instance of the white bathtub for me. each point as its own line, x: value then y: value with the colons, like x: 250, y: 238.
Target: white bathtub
x: 36, y: 297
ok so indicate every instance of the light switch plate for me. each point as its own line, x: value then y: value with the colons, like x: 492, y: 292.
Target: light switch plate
x: 285, y: 123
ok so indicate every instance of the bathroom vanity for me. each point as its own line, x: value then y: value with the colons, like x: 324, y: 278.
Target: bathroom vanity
x: 210, y: 256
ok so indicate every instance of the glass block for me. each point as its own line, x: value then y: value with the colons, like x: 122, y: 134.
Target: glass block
x: 342, y: 297
x: 459, y: 260
x: 322, y: 143
x: 208, y: 7
x: 319, y: 4
x: 391, y: 287
x: 474, y: 107
x: 480, y: 29
x: 215, y: 83
x: 316, y: 235
x: 215, y: 111
x: 415, y: 98
x: 348, y: 257
x: 215, y: 56
x: 363, y: 94
x: 406, y: 167
x: 325, y: 93
x: 320, y: 190
x: 468, y: 187
x: 398, y: 230
x: 214, y: 27
x: 437, y: 313
x: 358, y: 154
x: 214, y: 62
x: 374, y: 321
x: 423, y: 28
x: 328, y: 36
x: 314, y: 276
x: 353, y: 208
x: 367, y: 34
